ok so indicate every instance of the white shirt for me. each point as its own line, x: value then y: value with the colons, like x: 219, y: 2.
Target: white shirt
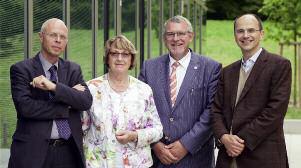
x: 249, y: 63
x: 181, y: 69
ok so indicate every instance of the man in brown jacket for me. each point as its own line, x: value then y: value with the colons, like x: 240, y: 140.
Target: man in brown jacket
x: 251, y: 102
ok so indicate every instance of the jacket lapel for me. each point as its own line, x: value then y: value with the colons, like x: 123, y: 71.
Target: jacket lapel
x: 38, y: 70
x: 235, y: 72
x: 259, y: 65
x: 193, y: 66
x: 164, y: 78
x: 37, y: 65
x: 62, y: 71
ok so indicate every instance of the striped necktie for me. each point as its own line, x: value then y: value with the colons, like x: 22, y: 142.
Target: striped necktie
x: 173, y: 83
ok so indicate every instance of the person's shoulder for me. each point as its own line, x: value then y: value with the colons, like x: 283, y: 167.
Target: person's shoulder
x: 140, y: 84
x: 69, y: 65
x: 136, y: 81
x: 96, y: 82
x: 234, y: 64
x: 27, y: 63
x: 206, y: 61
x: 157, y: 59
x: 23, y: 62
x: 274, y: 57
x: 204, y: 58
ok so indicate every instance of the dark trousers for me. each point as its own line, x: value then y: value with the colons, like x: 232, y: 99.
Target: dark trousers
x: 63, y: 154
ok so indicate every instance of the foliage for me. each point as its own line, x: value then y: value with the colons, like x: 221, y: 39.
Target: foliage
x: 200, y: 5
x: 285, y: 17
x: 11, y: 25
x: 229, y: 9
x: 128, y: 15
x: 43, y: 11
x: 11, y: 20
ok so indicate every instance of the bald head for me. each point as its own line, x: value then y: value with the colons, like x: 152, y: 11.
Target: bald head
x: 249, y: 16
x: 53, y: 38
x: 52, y: 21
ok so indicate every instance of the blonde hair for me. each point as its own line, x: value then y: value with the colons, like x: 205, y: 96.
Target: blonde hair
x: 120, y: 42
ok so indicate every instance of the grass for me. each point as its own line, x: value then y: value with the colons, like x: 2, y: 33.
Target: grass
x: 219, y: 44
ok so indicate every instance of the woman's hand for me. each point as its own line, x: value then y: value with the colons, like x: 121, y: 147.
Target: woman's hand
x: 125, y: 137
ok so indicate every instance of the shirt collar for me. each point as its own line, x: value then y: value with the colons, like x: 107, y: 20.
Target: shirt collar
x: 253, y: 58
x: 46, y: 64
x: 184, y: 62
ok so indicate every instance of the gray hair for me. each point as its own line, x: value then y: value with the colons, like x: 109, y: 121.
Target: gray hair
x: 178, y: 19
x: 47, y: 22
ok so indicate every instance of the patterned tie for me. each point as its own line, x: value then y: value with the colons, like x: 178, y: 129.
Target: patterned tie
x: 62, y: 124
x: 173, y: 83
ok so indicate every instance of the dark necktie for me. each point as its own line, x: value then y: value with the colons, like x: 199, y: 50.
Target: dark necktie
x: 62, y: 124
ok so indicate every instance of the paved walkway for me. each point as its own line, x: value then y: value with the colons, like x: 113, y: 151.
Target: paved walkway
x: 4, y: 156
x: 293, y: 145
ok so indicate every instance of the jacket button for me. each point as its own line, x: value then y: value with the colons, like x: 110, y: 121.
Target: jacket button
x: 171, y: 119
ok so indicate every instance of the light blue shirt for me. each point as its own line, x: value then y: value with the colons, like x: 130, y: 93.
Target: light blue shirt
x: 249, y: 63
x: 46, y: 65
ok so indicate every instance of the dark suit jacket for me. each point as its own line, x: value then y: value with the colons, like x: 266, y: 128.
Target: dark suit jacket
x: 188, y: 120
x: 258, y: 116
x: 35, y: 112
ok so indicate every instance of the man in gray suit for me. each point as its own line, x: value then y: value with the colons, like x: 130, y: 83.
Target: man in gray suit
x: 184, y: 84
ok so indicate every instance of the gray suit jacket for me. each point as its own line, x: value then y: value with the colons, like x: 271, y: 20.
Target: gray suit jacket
x: 188, y: 121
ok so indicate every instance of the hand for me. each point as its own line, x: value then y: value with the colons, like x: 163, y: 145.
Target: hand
x: 43, y: 83
x: 177, y: 149
x: 164, y: 155
x: 79, y: 87
x: 125, y: 137
x: 233, y: 144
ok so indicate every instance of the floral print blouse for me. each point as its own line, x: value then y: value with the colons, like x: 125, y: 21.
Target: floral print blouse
x: 132, y: 110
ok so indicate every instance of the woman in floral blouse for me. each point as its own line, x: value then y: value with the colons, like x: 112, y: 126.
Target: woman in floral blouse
x: 123, y: 119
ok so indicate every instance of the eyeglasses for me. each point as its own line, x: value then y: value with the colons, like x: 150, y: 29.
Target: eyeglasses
x: 115, y: 55
x: 171, y: 35
x: 243, y: 31
x: 55, y: 36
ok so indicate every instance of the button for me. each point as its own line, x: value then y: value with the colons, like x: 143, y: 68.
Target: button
x: 171, y: 119
x: 166, y: 137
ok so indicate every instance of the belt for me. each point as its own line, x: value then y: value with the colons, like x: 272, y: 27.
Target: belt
x: 58, y: 142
